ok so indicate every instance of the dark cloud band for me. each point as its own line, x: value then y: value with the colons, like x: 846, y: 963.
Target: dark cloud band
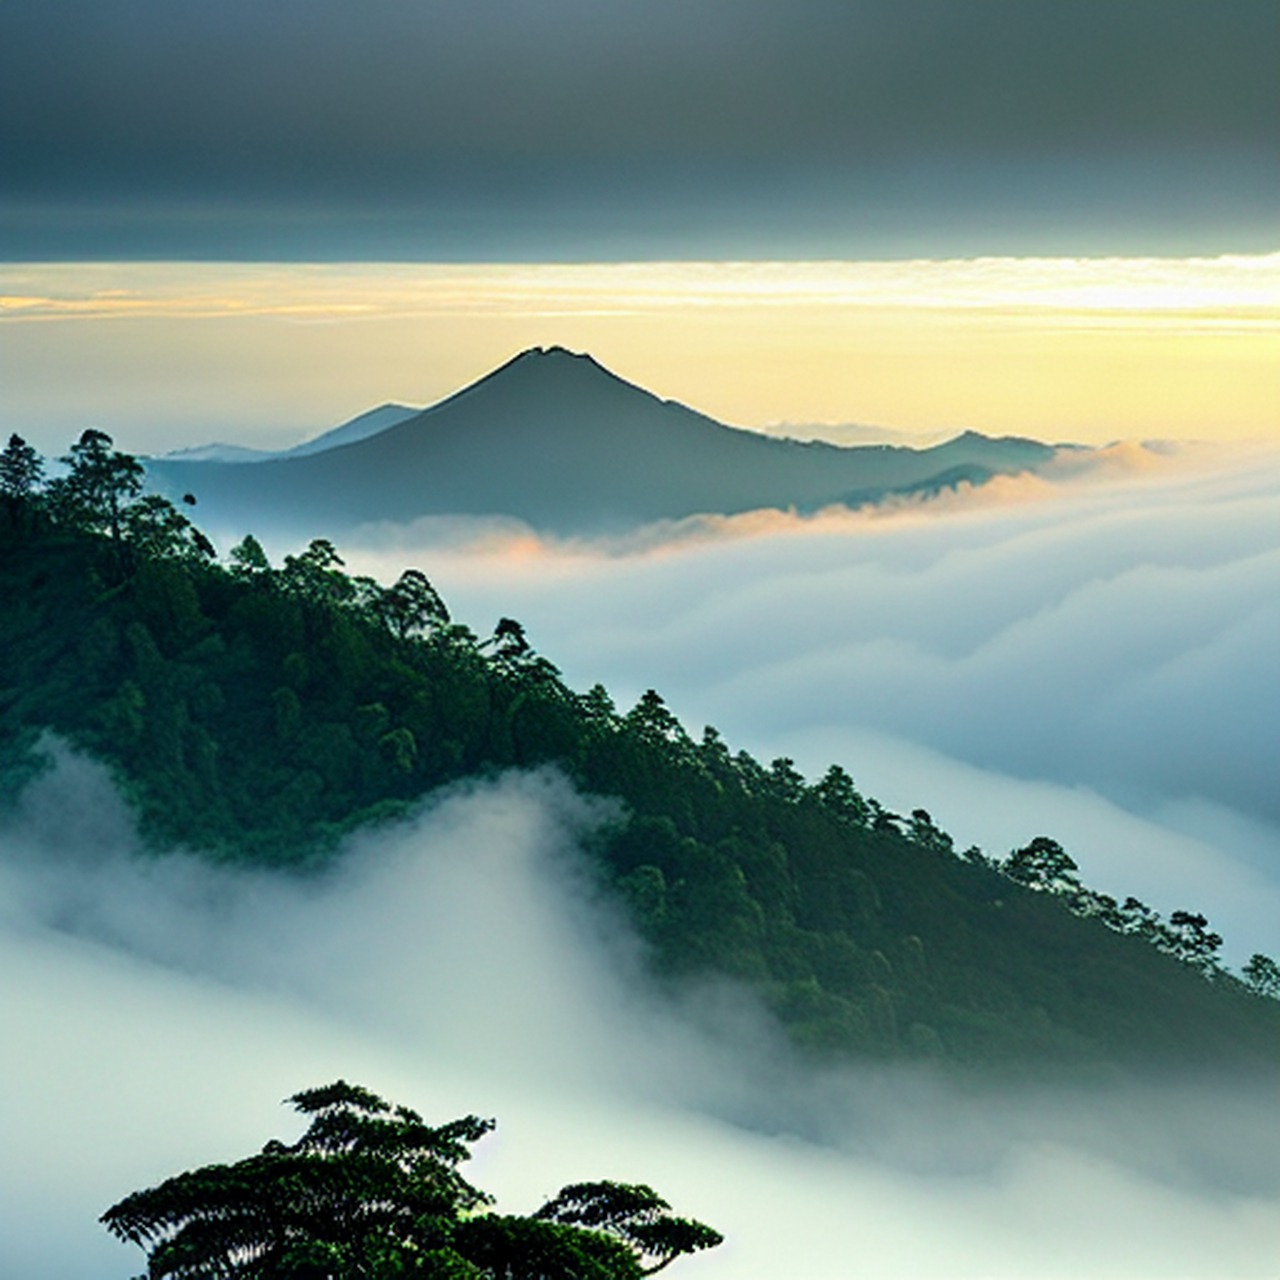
x: 456, y: 120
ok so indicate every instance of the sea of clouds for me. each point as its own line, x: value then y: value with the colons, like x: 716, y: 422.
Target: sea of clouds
x: 1086, y: 656
x: 156, y: 1011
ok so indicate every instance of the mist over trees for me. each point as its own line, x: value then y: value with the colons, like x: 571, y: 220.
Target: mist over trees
x: 258, y: 714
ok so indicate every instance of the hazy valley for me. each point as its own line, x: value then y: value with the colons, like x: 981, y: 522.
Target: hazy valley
x: 912, y: 639
x: 698, y: 580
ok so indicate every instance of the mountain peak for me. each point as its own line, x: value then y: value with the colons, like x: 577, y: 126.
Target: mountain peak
x: 559, y: 359
x: 554, y: 438
x: 553, y: 372
x: 555, y: 352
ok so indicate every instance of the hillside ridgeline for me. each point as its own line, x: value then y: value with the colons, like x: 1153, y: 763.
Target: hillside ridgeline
x: 258, y: 713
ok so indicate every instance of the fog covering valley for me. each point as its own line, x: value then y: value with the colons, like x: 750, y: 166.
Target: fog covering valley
x: 1037, y: 240
x: 1087, y: 654
x: 461, y: 963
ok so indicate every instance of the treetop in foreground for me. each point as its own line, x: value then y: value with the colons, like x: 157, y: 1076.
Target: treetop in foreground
x: 371, y: 1191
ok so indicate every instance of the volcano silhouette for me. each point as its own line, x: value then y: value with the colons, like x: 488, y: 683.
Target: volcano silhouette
x: 554, y: 439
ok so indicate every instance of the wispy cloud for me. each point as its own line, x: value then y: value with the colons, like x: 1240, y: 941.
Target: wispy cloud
x: 1107, y: 635
x: 163, y: 355
x: 1238, y: 290
x: 156, y: 1010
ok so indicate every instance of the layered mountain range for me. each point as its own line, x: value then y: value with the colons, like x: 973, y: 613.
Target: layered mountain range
x: 554, y: 439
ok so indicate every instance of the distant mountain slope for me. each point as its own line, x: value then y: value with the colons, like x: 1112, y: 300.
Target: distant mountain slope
x: 554, y: 439
x: 358, y: 428
x: 216, y: 452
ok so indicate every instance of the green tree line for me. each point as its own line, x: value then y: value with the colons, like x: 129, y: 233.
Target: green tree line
x: 258, y: 713
x: 372, y: 1192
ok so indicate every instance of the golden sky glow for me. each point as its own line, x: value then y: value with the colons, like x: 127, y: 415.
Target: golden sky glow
x: 1084, y: 349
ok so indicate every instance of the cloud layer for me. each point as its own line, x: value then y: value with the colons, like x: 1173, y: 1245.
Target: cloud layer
x: 306, y: 82
x: 1109, y: 637
x: 155, y: 1010
x: 399, y: 129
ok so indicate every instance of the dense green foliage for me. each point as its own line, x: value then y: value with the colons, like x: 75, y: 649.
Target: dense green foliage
x: 258, y: 713
x: 371, y: 1192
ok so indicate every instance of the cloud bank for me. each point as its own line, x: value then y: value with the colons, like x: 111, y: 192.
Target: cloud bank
x: 1095, y: 651
x: 155, y: 1010
x: 431, y: 130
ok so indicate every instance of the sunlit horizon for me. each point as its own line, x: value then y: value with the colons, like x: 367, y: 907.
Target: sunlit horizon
x: 1083, y: 349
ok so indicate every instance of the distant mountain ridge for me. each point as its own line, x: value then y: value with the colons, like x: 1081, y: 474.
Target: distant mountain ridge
x: 358, y: 428
x: 558, y: 441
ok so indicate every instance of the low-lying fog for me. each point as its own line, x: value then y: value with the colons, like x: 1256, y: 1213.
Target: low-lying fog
x: 1093, y: 659
x: 156, y: 1011
x: 1090, y: 656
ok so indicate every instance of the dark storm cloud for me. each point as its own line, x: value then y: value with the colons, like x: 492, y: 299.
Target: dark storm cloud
x: 482, y: 115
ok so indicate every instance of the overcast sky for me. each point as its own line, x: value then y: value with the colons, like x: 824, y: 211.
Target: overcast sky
x: 574, y: 129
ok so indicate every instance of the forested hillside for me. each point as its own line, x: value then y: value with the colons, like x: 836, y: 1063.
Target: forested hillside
x: 257, y: 713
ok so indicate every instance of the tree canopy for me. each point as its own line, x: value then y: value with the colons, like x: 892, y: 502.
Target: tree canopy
x: 371, y: 1191
x: 258, y: 713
